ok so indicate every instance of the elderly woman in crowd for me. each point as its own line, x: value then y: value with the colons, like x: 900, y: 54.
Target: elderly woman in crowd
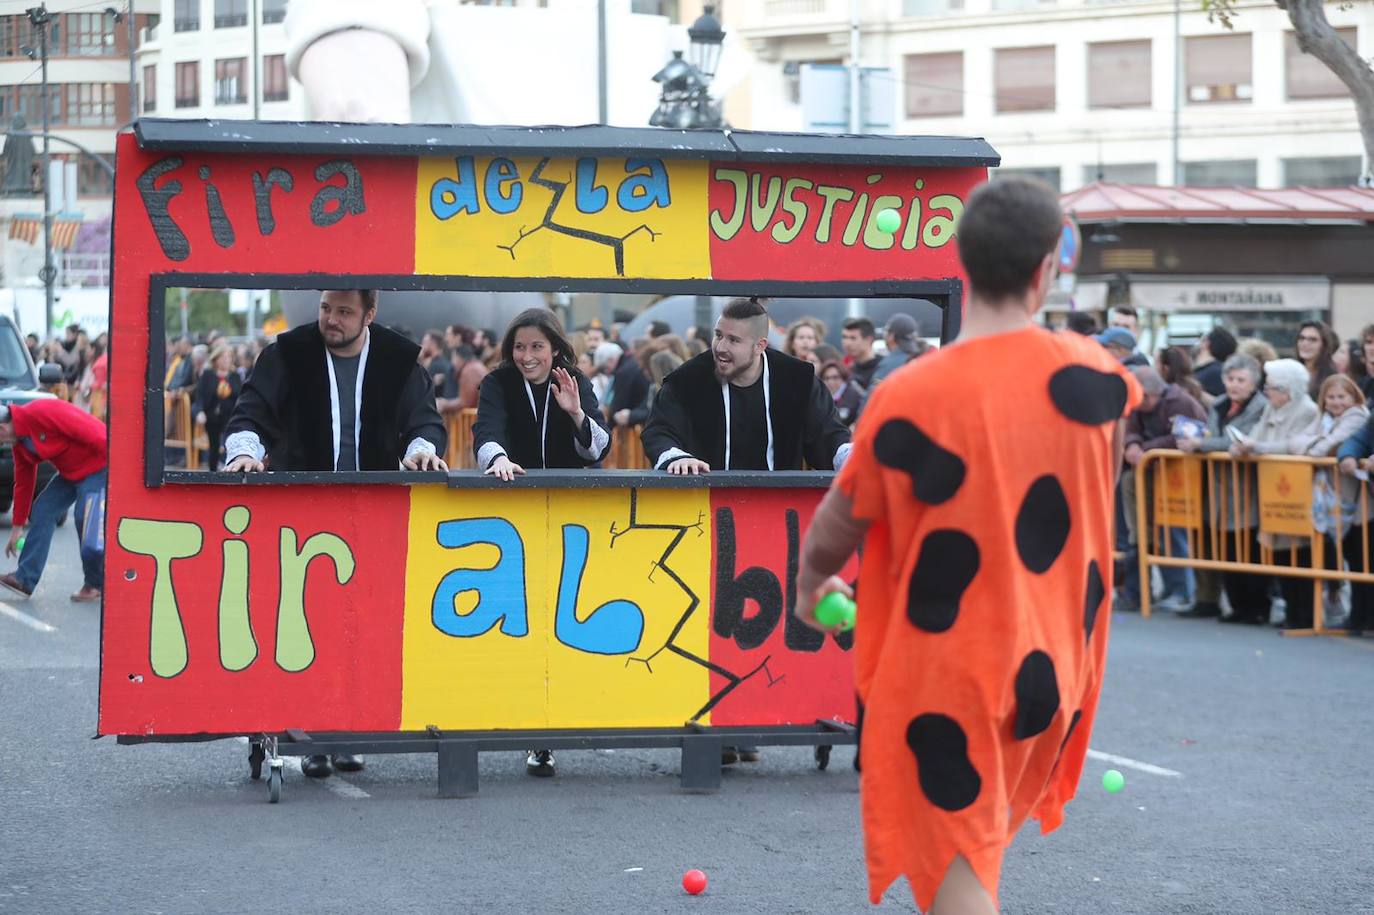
x: 1341, y: 414
x: 1239, y: 409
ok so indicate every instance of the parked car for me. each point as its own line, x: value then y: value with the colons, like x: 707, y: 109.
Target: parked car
x: 20, y: 382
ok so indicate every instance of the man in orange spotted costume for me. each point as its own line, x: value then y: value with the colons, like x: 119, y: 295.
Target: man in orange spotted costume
x: 981, y: 637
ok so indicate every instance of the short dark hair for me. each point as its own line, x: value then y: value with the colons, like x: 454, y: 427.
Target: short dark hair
x: 862, y: 325
x: 547, y: 323
x: 743, y: 309
x: 1081, y: 322
x: 1125, y: 310
x: 1221, y: 344
x: 659, y: 328
x: 748, y: 309
x: 437, y: 336
x: 1007, y: 229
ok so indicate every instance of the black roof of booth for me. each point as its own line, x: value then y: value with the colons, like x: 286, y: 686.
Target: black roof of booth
x: 227, y: 136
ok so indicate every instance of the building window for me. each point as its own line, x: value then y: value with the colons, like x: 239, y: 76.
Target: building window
x: 1219, y: 68
x: 1331, y: 171
x: 90, y: 104
x: 231, y: 81
x: 230, y: 13
x: 914, y: 8
x: 935, y: 84
x: 273, y: 11
x: 667, y: 8
x: 150, y: 87
x: 1024, y: 79
x: 1119, y: 74
x: 1048, y: 175
x: 9, y: 36
x: 188, y: 84
x: 30, y: 104
x: 1131, y: 173
x: 274, y: 82
x: 92, y: 180
x: 1308, y: 77
x: 186, y: 15
x: 90, y: 35
x: 1222, y: 173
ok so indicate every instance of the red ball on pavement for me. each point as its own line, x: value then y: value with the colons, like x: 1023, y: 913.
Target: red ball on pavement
x: 694, y: 881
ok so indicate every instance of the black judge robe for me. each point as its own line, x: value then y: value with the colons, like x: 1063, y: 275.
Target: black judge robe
x: 689, y: 414
x: 287, y: 402
x: 504, y: 419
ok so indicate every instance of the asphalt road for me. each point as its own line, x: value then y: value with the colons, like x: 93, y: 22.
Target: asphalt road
x: 1272, y: 809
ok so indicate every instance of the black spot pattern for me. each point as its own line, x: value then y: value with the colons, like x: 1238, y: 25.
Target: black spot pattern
x: 946, y: 566
x: 1037, y: 695
x: 1092, y: 603
x: 936, y: 474
x: 1042, y: 524
x: 1073, y: 723
x: 946, y: 774
x: 1088, y: 396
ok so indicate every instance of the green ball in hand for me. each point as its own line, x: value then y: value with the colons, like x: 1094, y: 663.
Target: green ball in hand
x: 888, y: 221
x: 1113, y: 781
x: 836, y: 610
x: 19, y: 544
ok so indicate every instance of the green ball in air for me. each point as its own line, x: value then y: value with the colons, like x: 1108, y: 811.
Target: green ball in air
x: 888, y: 221
x: 1113, y: 781
x: 835, y: 610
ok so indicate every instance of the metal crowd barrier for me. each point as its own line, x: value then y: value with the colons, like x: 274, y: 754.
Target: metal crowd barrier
x: 1203, y: 493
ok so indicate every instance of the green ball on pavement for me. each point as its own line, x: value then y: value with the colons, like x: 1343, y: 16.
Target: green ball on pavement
x: 888, y: 221
x: 1113, y: 781
x: 835, y: 610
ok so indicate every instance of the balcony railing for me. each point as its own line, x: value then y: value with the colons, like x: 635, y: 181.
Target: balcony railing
x: 187, y: 23
x: 231, y: 20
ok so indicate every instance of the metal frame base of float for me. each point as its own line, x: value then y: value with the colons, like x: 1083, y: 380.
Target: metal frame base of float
x: 458, y: 750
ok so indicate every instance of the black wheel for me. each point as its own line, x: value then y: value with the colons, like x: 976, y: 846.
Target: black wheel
x: 256, y: 755
x: 822, y: 757
x: 274, y: 785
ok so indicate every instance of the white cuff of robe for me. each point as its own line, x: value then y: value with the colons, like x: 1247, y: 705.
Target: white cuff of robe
x: 842, y: 454
x: 672, y: 454
x: 599, y: 440
x: 419, y: 445
x: 489, y: 452
x: 243, y: 444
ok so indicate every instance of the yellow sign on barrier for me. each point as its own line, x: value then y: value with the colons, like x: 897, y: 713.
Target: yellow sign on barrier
x: 1178, y: 493
x: 1285, y: 498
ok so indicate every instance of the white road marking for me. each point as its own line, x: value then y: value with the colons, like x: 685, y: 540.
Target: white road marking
x: 1133, y: 764
x: 334, y: 783
x: 20, y: 616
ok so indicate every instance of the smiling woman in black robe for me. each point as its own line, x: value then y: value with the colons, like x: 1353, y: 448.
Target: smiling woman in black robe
x: 536, y: 410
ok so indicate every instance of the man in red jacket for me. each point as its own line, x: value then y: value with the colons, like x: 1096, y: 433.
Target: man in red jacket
x: 74, y: 442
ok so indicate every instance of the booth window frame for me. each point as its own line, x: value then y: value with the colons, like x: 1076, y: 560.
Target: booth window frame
x: 946, y: 293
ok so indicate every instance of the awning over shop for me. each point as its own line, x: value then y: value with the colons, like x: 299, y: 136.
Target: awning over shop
x: 1105, y: 201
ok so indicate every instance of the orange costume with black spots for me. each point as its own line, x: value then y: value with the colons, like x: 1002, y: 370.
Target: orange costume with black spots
x: 986, y: 473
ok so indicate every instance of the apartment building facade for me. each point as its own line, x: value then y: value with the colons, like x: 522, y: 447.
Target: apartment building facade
x: 219, y: 59
x: 1074, y: 91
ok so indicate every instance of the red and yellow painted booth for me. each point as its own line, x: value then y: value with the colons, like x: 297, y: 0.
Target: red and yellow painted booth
x: 452, y: 613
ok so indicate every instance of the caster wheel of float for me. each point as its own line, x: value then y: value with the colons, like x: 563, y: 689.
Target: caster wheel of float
x: 274, y: 786
x: 822, y: 757
x: 256, y: 755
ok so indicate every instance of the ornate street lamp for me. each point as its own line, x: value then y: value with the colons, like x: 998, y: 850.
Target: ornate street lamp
x: 685, y: 99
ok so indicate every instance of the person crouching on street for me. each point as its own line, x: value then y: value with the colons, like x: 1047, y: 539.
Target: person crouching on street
x: 73, y: 441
